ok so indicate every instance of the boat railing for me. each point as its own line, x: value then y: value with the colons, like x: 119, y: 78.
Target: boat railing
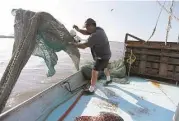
x: 154, y: 59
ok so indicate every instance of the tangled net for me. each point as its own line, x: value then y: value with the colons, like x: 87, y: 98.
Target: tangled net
x: 104, y: 116
x: 50, y: 37
x: 39, y: 34
x: 117, y: 70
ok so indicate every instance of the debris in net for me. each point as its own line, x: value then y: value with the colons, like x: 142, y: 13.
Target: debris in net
x: 104, y: 116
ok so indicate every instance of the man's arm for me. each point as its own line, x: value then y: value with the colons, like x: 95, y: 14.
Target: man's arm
x: 90, y: 43
x: 84, y: 32
x: 81, y: 45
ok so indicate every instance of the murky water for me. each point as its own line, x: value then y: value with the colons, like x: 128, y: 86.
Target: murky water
x: 33, y: 77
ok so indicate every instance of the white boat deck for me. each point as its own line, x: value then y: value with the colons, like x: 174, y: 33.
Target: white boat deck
x: 141, y: 100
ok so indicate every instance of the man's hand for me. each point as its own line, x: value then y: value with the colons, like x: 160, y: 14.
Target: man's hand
x: 80, y: 45
x: 73, y: 43
x: 84, y: 32
x: 76, y: 27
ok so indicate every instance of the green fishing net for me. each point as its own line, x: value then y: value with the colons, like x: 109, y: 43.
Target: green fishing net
x: 39, y: 34
x: 51, y: 37
x: 117, y: 70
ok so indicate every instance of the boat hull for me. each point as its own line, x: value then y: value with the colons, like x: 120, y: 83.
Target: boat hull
x: 41, y: 105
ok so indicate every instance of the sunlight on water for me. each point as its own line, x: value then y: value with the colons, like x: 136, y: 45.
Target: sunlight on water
x: 6, y: 44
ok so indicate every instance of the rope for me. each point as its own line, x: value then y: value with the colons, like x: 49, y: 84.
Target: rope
x: 70, y: 108
x: 156, y: 22
x: 7, y: 83
x: 169, y: 22
x: 131, y: 58
x: 130, y: 61
x: 177, y: 18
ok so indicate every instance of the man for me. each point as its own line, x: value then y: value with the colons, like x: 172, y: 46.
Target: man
x: 100, y: 50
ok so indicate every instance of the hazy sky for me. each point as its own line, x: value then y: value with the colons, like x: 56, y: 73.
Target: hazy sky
x: 135, y: 17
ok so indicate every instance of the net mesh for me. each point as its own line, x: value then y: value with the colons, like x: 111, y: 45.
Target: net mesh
x: 39, y: 34
x: 103, y: 116
x: 117, y: 70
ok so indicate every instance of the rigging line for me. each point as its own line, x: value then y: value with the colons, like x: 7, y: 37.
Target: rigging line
x: 157, y: 22
x: 177, y: 18
x: 169, y: 22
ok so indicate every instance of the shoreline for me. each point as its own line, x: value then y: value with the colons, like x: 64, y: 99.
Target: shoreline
x: 3, y: 36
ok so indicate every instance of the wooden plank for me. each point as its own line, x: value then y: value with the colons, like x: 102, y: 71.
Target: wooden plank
x: 157, y: 53
x: 170, y: 74
x: 155, y: 65
x: 154, y: 45
x: 152, y: 71
x: 142, y: 64
x: 170, y: 67
x: 177, y: 69
x: 154, y: 59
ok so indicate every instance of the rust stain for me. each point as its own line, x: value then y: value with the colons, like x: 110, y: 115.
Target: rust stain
x: 155, y: 83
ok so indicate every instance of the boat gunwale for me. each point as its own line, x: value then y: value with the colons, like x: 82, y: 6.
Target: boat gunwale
x: 36, y: 96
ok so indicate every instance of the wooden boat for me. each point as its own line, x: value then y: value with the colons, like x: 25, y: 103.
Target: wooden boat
x: 141, y: 100
x: 156, y: 60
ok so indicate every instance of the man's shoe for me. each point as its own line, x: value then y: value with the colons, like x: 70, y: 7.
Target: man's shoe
x: 87, y: 92
x: 107, y: 83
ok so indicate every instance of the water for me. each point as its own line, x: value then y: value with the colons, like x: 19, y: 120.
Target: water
x: 33, y: 78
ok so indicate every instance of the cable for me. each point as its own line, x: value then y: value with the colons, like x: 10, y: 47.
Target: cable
x: 177, y: 18
x: 169, y: 22
x: 157, y: 22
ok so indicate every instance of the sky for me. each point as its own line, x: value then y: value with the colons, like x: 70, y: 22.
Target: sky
x: 134, y: 17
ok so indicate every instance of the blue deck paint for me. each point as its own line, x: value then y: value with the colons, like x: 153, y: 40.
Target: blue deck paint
x: 138, y: 101
x: 55, y: 115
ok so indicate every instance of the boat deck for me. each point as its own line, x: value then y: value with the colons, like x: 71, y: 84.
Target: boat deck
x: 141, y: 100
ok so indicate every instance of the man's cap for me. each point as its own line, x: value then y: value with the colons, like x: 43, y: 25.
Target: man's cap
x: 89, y: 21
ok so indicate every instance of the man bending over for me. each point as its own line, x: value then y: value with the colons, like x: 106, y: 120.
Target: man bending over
x: 100, y: 50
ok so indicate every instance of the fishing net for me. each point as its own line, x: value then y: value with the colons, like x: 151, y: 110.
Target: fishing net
x: 103, y: 116
x: 39, y: 34
x: 117, y: 71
